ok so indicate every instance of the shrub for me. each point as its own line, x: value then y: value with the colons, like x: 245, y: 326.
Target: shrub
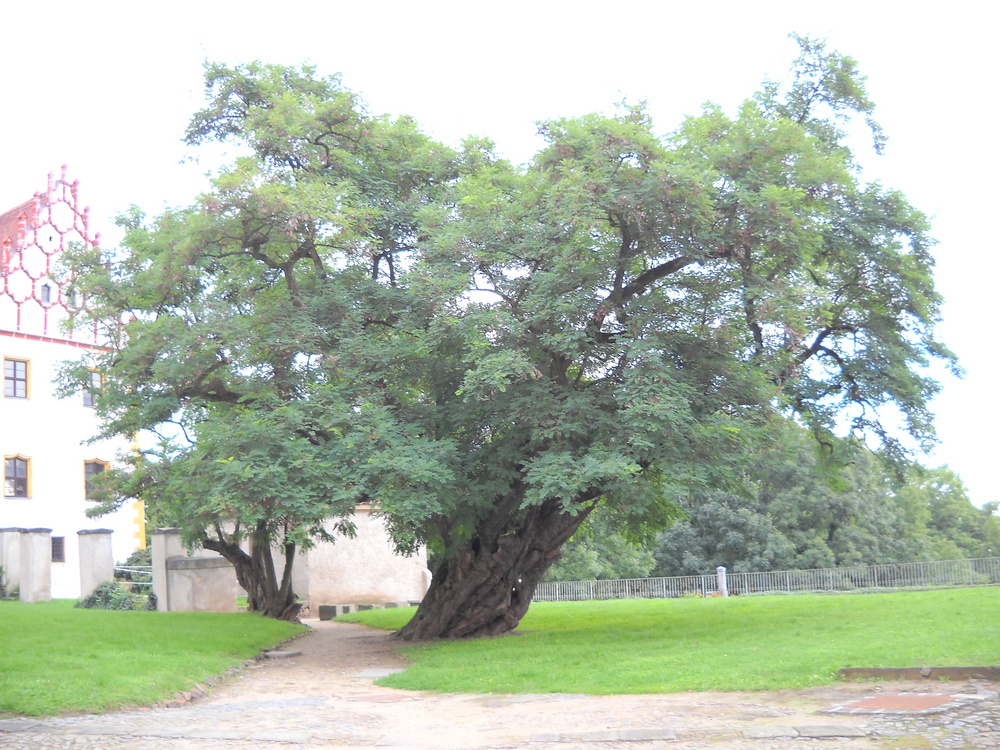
x: 112, y: 595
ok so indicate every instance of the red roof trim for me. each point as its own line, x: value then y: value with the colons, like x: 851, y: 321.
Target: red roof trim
x: 51, y: 340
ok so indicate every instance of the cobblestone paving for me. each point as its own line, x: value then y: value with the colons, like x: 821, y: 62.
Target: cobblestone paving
x: 973, y: 725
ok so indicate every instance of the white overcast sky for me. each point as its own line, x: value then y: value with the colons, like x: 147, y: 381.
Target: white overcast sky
x: 107, y: 88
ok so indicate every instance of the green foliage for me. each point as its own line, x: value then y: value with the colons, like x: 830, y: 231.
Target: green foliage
x: 70, y: 660
x: 355, y: 313
x: 739, y: 643
x: 235, y: 315
x: 939, y: 513
x: 114, y: 595
x: 3, y: 584
x: 602, y: 549
x: 802, y: 512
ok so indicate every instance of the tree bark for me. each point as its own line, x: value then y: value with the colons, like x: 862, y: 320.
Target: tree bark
x: 486, y: 587
x: 256, y: 574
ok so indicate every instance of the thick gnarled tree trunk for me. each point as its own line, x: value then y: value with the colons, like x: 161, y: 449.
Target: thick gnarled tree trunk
x: 256, y: 574
x: 485, y: 588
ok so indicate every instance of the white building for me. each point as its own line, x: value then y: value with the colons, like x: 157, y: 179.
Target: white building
x: 46, y: 463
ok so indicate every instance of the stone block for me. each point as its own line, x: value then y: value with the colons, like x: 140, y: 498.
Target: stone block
x: 769, y: 733
x: 327, y: 611
x: 646, y: 735
x: 830, y: 732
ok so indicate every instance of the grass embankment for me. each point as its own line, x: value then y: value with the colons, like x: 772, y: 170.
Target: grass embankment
x: 56, y: 658
x: 739, y: 643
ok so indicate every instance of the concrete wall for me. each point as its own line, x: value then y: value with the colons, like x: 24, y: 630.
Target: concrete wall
x: 363, y: 570
x: 201, y: 584
x: 10, y: 557
x: 202, y: 581
x: 97, y: 562
x: 36, y: 565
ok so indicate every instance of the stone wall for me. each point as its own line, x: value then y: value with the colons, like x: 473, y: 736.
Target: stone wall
x: 202, y: 581
x: 363, y: 570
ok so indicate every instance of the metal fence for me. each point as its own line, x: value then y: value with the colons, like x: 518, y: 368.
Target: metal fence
x: 979, y: 572
x: 137, y: 575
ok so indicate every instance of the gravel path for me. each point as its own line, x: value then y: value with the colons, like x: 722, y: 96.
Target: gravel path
x: 325, y: 697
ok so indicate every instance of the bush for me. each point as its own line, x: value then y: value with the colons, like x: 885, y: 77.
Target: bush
x: 112, y: 595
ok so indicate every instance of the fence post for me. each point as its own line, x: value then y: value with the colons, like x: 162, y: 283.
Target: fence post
x: 720, y: 577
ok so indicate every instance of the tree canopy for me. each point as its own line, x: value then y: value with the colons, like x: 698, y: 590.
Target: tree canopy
x: 355, y: 313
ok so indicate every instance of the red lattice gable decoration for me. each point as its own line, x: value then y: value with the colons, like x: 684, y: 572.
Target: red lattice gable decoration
x: 33, y: 300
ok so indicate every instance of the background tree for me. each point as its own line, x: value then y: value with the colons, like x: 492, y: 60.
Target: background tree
x: 943, y: 518
x: 798, y: 514
x: 604, y: 548
x: 801, y: 508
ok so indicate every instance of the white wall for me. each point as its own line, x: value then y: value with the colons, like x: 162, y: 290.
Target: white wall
x: 50, y: 431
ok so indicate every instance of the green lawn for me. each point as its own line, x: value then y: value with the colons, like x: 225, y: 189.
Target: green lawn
x: 739, y: 643
x: 56, y: 658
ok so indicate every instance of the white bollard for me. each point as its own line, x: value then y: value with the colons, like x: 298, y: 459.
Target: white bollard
x: 720, y: 575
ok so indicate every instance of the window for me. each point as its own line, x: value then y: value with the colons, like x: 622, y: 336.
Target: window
x: 46, y: 294
x: 96, y: 386
x: 58, y: 549
x: 92, y: 469
x: 15, y: 476
x: 15, y: 378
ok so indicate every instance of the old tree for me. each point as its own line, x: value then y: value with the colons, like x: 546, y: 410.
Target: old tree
x: 488, y: 353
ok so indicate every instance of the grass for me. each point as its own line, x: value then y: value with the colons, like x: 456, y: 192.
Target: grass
x: 739, y: 643
x: 56, y: 658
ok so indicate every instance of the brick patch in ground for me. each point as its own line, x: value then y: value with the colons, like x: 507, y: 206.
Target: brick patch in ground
x: 907, y: 704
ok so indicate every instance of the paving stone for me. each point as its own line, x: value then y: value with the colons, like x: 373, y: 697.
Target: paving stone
x: 279, y: 654
x: 646, y: 735
x: 217, y: 734
x: 603, y: 735
x: 769, y: 733
x: 16, y: 725
x: 279, y: 735
x: 830, y: 732
x: 101, y: 731
x: 161, y: 732
x: 378, y: 672
x: 546, y: 737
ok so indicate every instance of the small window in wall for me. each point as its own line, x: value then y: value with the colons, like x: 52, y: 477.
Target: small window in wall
x: 46, y: 294
x: 93, y: 469
x: 95, y: 387
x: 15, y: 476
x: 15, y: 378
x: 59, y: 549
